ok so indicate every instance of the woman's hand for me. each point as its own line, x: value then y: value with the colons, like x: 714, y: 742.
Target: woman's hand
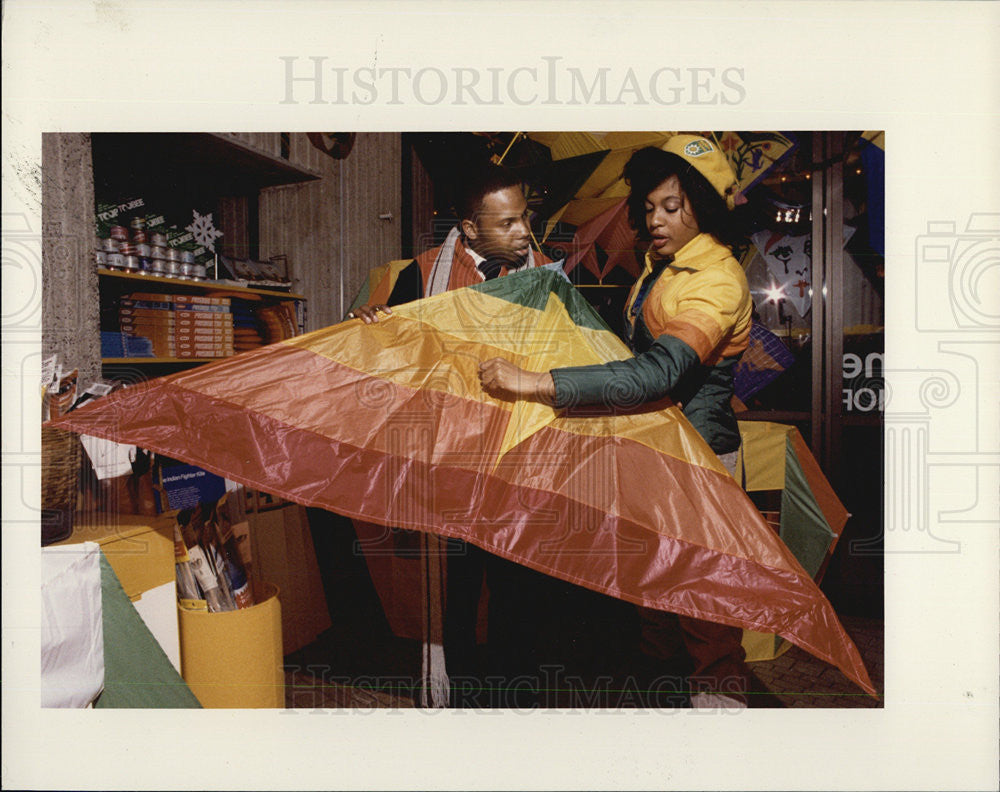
x: 369, y: 313
x: 503, y: 380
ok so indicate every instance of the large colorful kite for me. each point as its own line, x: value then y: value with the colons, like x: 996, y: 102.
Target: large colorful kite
x: 387, y: 423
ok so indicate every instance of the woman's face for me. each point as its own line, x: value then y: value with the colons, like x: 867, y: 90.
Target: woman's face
x: 670, y: 219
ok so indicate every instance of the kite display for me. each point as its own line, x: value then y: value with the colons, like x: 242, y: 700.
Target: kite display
x: 591, y: 165
x: 873, y: 159
x: 388, y: 423
x: 787, y: 485
x: 789, y: 263
x: 762, y: 362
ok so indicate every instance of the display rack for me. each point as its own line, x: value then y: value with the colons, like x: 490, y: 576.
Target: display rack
x: 172, y: 171
x: 113, y: 285
x: 209, y: 288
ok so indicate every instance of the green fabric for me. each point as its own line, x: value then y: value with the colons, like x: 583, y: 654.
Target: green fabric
x: 668, y: 367
x: 549, y: 282
x: 362, y: 298
x: 137, y: 673
x: 803, y: 527
x: 626, y: 383
x: 705, y: 392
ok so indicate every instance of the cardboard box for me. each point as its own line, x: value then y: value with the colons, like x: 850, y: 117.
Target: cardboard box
x: 159, y: 314
x: 196, y: 354
x: 283, y: 553
x: 205, y: 317
x: 213, y: 333
x: 130, y: 323
x: 171, y: 330
x: 180, y: 298
x: 139, y: 548
x: 203, y: 348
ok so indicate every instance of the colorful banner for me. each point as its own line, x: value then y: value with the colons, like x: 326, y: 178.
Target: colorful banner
x: 753, y: 153
x: 764, y: 360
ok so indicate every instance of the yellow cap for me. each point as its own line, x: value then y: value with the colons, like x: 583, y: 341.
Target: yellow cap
x: 706, y: 158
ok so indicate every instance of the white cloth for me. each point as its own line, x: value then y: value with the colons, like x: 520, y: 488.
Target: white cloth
x: 72, y: 632
x: 437, y: 283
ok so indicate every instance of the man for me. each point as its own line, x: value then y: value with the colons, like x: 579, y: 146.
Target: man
x: 492, y: 239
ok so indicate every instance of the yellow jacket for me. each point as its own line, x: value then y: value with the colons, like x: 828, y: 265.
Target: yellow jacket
x: 688, y: 321
x: 701, y: 297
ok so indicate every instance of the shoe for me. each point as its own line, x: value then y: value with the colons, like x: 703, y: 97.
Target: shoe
x: 716, y: 701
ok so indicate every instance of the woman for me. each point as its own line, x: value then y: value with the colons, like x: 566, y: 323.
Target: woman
x: 687, y: 321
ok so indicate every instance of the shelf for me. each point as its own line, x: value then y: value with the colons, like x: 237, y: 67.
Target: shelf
x: 129, y: 161
x: 155, y: 361
x: 210, y: 288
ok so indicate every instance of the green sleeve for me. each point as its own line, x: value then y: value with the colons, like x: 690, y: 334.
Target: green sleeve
x: 626, y: 383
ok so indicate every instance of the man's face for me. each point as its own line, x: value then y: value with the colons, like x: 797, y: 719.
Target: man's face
x: 500, y: 228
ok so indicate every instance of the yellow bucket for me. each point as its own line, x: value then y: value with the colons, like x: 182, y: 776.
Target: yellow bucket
x: 234, y: 659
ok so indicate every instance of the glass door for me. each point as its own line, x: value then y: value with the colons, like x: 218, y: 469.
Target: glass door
x: 816, y: 270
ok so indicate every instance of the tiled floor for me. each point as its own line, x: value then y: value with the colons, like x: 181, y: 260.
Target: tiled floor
x: 587, y: 647
x: 320, y: 677
x: 305, y: 691
x: 800, y: 680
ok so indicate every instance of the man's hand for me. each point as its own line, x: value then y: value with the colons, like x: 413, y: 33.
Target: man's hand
x: 369, y: 313
x: 503, y: 380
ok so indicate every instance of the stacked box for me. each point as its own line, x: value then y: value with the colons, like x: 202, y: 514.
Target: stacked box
x: 179, y: 325
x: 121, y: 345
x: 109, y: 215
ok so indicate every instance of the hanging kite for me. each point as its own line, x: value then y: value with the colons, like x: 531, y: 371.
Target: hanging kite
x: 789, y: 263
x: 387, y: 423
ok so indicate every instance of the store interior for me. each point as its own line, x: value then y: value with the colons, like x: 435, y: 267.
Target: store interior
x: 276, y: 235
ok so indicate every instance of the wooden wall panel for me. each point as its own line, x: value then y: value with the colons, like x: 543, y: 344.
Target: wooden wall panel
x: 422, y: 206
x: 300, y: 151
x: 311, y: 156
x: 330, y: 228
x: 372, y: 200
x: 233, y: 221
x: 266, y: 142
x: 303, y: 153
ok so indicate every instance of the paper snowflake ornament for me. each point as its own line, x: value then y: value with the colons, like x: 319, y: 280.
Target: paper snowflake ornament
x: 205, y: 232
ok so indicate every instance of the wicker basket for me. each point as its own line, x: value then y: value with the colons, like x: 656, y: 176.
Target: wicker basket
x: 60, y: 483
